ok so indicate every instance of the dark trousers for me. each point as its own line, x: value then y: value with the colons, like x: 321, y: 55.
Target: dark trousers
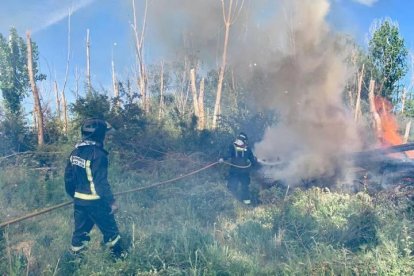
x: 238, y: 184
x: 86, y: 217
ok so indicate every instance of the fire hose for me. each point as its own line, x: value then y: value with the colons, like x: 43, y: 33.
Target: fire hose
x: 49, y: 209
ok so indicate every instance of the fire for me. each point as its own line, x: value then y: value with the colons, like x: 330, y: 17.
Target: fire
x: 389, y: 126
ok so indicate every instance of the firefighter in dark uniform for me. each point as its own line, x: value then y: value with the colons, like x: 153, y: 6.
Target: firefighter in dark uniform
x: 86, y: 182
x: 241, y: 159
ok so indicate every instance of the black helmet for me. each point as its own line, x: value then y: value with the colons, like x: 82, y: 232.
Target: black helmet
x: 95, y: 129
x: 242, y: 136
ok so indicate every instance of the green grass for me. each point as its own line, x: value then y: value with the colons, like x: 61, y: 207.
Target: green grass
x: 194, y: 227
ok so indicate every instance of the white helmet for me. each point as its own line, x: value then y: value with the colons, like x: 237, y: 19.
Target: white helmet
x: 239, y: 143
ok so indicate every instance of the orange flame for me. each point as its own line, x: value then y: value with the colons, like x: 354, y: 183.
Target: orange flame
x: 389, y: 126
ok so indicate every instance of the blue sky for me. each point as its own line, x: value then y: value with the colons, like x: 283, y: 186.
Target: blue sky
x: 109, y: 23
x: 356, y: 18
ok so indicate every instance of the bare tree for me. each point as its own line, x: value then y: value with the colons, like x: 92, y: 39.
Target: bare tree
x: 373, y: 109
x: 161, y: 107
x: 407, y: 132
x: 198, y: 99
x: 202, y: 116
x: 139, y: 49
x: 77, y: 76
x: 36, y: 97
x: 60, y: 95
x: 403, y: 98
x: 229, y: 17
x: 182, y: 92
x: 64, y: 104
x: 194, y: 92
x: 58, y: 104
x: 65, y: 113
x: 88, y: 63
x: 115, y: 84
x: 358, y: 97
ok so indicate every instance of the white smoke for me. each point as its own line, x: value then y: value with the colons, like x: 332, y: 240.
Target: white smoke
x: 291, y: 62
x: 304, y: 80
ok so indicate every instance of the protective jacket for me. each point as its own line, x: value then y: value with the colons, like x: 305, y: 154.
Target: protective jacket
x: 241, y: 157
x: 86, y: 175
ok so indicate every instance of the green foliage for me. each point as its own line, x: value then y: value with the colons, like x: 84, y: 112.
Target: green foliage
x: 154, y: 83
x: 14, y: 79
x: 54, y: 131
x: 388, y: 54
x: 93, y: 105
x: 409, y: 108
x: 15, y: 135
x: 14, y: 84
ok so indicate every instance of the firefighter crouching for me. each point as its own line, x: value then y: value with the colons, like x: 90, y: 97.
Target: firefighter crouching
x: 241, y: 160
x: 87, y: 183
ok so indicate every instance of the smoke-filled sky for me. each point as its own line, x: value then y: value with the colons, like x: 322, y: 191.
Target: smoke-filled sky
x: 109, y: 24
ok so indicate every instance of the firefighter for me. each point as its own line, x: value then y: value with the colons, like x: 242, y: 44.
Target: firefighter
x: 241, y: 160
x: 87, y: 183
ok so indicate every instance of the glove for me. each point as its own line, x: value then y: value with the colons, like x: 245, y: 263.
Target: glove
x: 221, y: 160
x: 114, y: 209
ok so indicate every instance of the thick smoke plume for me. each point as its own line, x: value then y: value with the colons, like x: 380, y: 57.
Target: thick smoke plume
x: 304, y: 81
x: 196, y: 27
x: 291, y: 62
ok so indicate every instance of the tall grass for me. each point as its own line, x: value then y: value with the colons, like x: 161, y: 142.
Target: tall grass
x: 195, y: 227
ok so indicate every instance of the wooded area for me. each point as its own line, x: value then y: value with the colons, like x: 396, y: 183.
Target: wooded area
x: 351, y: 216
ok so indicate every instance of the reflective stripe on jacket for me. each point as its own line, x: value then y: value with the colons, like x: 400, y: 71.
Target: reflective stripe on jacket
x: 86, y: 174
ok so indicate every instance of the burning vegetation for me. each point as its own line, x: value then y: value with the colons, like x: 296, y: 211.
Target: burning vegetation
x: 332, y: 191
